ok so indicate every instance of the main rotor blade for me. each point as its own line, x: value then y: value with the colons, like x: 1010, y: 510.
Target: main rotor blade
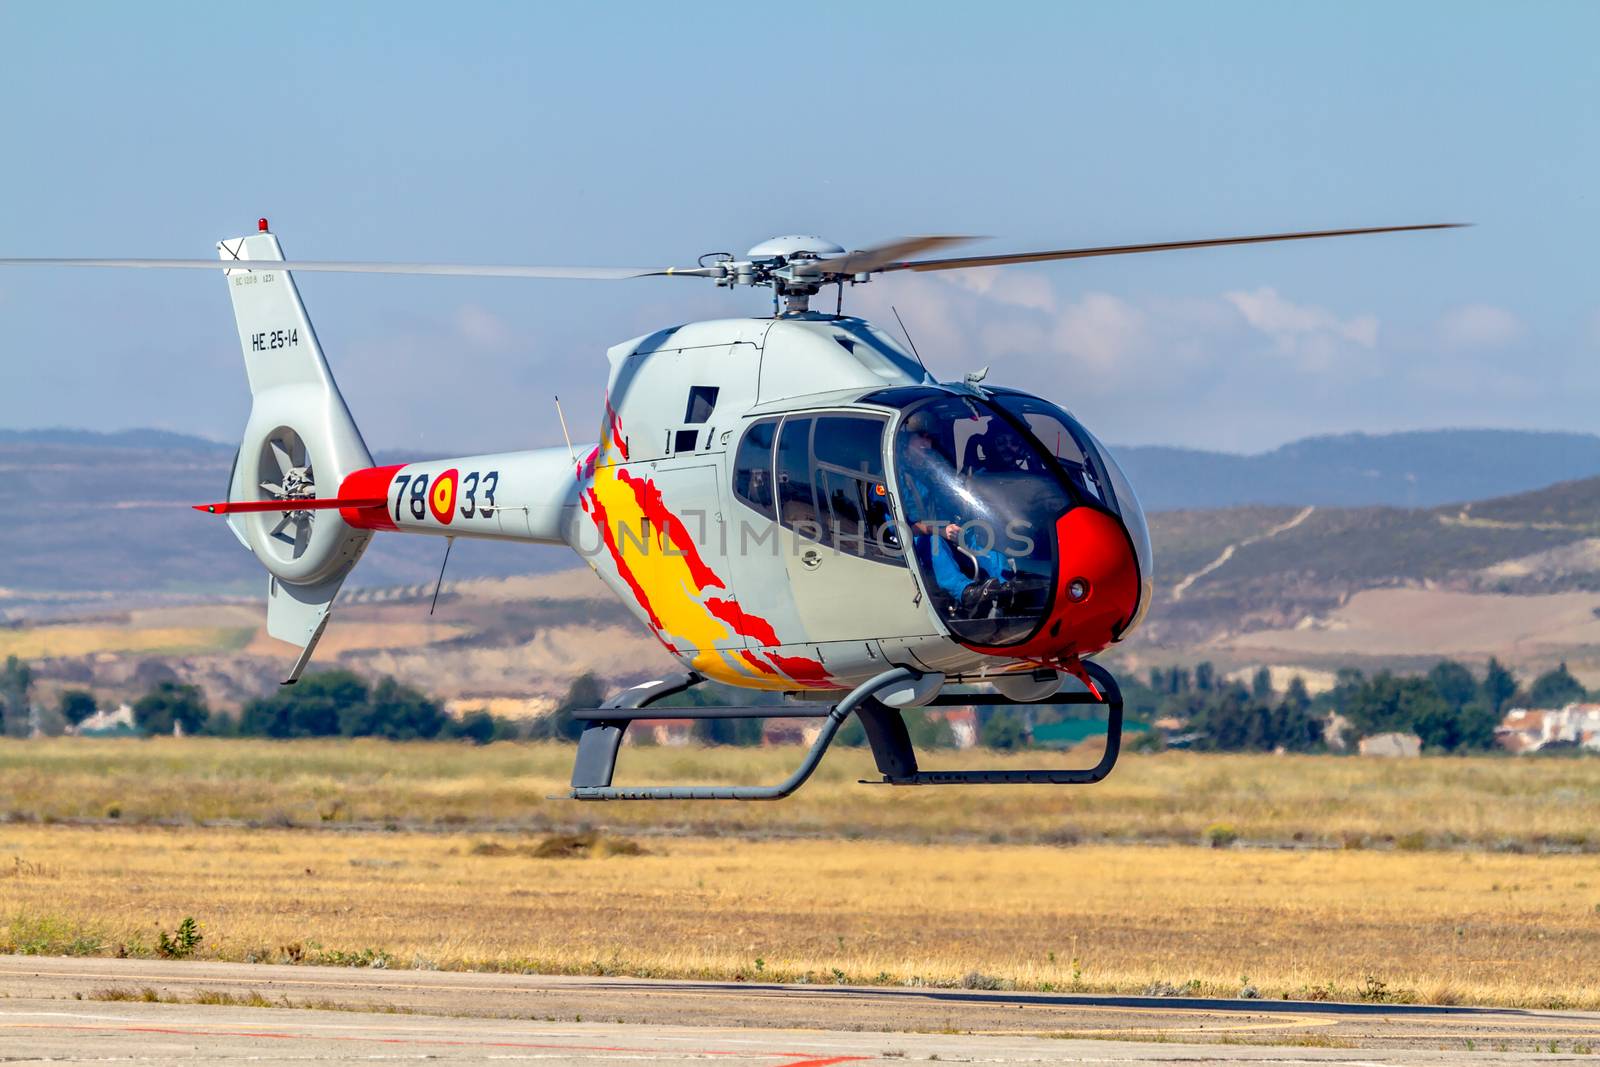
x: 876, y: 257
x: 1166, y: 246
x: 471, y: 270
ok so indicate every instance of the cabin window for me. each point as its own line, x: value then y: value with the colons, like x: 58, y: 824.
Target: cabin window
x: 796, y: 504
x: 852, y: 443
x: 685, y: 440
x: 752, y: 468
x: 852, y: 498
x: 702, y: 399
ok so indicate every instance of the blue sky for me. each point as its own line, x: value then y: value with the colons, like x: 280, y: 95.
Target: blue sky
x: 623, y: 134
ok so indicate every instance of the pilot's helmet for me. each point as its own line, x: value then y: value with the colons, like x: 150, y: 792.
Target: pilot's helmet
x: 922, y: 424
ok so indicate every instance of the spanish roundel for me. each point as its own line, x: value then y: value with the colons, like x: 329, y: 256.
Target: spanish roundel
x: 442, y: 496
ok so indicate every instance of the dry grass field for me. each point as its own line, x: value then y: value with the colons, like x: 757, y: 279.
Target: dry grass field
x: 41, y: 642
x: 1412, y: 926
x: 1485, y: 803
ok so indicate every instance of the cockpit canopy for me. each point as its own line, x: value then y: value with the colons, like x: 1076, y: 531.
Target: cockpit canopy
x: 981, y: 479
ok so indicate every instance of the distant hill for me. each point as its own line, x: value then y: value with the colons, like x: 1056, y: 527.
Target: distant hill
x: 117, y: 439
x: 90, y: 513
x: 1419, y: 469
x: 108, y: 513
x: 1236, y: 569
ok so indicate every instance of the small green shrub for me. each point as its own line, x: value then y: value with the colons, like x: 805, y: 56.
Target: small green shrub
x: 182, y: 942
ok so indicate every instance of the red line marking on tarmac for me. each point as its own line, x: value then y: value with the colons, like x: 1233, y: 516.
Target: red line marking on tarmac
x: 279, y: 1035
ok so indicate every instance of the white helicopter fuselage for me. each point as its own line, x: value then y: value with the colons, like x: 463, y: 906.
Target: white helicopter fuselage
x: 731, y: 583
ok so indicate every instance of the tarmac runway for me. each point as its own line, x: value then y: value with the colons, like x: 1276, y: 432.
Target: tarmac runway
x: 91, y: 1010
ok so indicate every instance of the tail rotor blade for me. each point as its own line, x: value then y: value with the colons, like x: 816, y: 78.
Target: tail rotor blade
x: 281, y: 455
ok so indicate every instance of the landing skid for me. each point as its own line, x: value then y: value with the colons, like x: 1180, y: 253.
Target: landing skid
x: 595, y: 764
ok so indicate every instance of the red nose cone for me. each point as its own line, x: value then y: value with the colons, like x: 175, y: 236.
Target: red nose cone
x: 1096, y: 593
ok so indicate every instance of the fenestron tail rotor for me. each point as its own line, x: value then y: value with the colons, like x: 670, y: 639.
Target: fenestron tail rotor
x: 794, y: 267
x: 287, y: 478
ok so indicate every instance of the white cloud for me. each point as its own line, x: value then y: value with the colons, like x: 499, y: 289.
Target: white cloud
x: 482, y: 327
x: 1100, y: 330
x: 1313, y: 335
x: 1478, y: 326
x: 1014, y: 288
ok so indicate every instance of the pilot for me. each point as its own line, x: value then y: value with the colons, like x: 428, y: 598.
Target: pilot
x: 1003, y: 450
x: 938, y: 539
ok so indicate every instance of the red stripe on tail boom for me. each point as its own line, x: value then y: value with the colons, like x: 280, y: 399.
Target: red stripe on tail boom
x: 369, y: 484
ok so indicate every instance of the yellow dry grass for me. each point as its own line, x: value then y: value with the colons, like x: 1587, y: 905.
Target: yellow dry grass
x: 1437, y: 927
x: 41, y: 642
x: 1500, y: 803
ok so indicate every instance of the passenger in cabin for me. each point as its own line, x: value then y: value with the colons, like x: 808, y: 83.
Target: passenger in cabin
x: 965, y: 564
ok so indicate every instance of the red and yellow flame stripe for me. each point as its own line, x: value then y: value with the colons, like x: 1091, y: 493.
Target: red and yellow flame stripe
x: 671, y: 580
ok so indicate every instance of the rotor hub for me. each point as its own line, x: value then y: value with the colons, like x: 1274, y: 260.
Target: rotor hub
x: 297, y: 484
x: 807, y: 246
x: 774, y: 263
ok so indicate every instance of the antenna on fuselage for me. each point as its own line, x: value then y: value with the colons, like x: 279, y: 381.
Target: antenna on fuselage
x: 438, y: 585
x: 909, y: 341
x: 563, y: 418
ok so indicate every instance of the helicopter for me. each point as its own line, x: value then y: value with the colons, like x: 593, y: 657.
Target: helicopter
x: 789, y: 503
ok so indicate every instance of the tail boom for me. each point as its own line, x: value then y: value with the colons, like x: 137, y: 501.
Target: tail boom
x: 509, y: 496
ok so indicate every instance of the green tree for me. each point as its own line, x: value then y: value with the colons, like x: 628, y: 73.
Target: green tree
x: 1261, y: 685
x: 1348, y: 682
x: 928, y: 731
x: 1555, y: 689
x: 1234, y: 720
x: 315, y: 706
x: 1297, y: 697
x: 1205, y: 677
x: 584, y: 692
x: 1004, y: 729
x: 1498, y: 687
x: 1465, y: 729
x: 1388, y: 703
x: 393, y: 711
x: 169, y: 704
x: 727, y: 731
x: 76, y: 705
x: 1454, y: 683
x: 15, y: 683
x: 477, y: 726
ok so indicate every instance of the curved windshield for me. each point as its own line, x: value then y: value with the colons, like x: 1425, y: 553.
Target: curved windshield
x: 981, y: 502
x: 1066, y: 439
x: 1093, y: 470
x: 1138, y: 529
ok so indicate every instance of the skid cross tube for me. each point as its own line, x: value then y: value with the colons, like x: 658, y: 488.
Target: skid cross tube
x: 1112, y: 699
x: 597, y: 748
